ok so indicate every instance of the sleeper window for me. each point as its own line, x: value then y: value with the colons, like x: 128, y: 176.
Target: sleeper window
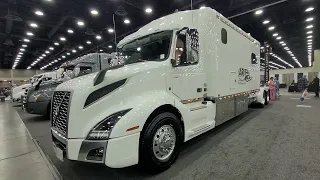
x: 224, y: 36
x: 253, y: 58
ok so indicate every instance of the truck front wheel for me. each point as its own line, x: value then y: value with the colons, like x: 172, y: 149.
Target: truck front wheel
x: 160, y: 142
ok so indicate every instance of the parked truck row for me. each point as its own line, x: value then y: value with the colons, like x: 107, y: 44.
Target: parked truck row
x: 174, y: 79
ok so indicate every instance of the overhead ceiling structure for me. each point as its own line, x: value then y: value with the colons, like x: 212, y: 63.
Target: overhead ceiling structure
x: 43, y: 34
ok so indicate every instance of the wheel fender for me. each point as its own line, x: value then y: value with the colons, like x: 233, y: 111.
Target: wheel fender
x: 142, y: 107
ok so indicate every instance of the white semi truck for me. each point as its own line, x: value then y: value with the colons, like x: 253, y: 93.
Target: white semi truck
x: 183, y: 74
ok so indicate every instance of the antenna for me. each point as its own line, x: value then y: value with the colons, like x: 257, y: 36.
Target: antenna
x: 115, y: 33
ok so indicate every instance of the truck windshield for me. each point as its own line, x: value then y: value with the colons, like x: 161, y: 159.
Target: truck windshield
x: 153, y: 47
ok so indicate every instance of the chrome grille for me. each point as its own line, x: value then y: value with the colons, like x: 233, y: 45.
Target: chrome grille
x: 60, y: 111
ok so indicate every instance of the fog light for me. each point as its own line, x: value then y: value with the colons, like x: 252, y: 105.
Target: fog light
x: 96, y: 154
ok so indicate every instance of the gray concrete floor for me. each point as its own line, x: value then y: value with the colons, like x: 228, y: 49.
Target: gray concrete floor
x: 19, y: 156
x: 279, y: 142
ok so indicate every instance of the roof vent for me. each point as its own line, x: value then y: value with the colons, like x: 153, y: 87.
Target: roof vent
x: 289, y: 21
x: 8, y: 54
x: 8, y: 42
x: 13, y: 15
x: 89, y: 32
x: 121, y: 11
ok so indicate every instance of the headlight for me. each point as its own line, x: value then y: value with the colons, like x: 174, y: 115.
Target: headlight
x: 102, y: 130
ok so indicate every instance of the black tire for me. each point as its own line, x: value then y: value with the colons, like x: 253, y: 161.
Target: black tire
x: 48, y: 110
x: 147, y: 159
x: 265, y: 96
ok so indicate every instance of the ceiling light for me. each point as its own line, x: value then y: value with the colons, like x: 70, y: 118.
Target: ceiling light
x: 109, y: 46
x: 29, y: 34
x: 284, y: 44
x: 281, y: 42
x: 70, y: 31
x: 148, y: 10
x: 48, y: 52
x: 110, y: 30
x: 24, y: 45
x: 94, y: 12
x: 56, y: 44
x: 309, y: 19
x: 309, y: 37
x: 138, y: 49
x: 275, y: 34
x: 59, y: 59
x: 309, y: 43
x: 309, y: 9
x: 309, y: 27
x: 44, y: 55
x: 98, y: 37
x: 63, y: 57
x: 39, y: 13
x: 74, y: 51
x: 62, y: 38
x: 88, y: 42
x: 309, y: 32
x: 278, y: 38
x: 22, y: 49
x: 101, y: 50
x: 51, y: 48
x: 80, y: 23
x: 271, y: 28
x: 41, y: 57
x: 258, y: 12
x: 26, y: 40
x: 68, y: 54
x: 20, y: 53
x: 266, y: 22
x: 126, y: 21
x: 80, y: 47
x: 33, y: 25
x: 309, y: 40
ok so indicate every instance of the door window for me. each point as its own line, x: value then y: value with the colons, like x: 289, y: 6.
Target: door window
x: 180, y: 50
x: 187, y: 48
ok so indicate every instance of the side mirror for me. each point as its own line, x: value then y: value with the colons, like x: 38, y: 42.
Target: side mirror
x: 38, y: 85
x: 174, y: 63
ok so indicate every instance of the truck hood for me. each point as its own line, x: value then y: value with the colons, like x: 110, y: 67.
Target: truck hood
x: 86, y: 82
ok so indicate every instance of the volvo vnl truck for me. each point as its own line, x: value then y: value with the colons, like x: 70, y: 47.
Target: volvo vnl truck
x: 183, y: 74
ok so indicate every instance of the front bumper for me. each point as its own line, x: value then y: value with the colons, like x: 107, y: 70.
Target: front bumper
x: 115, y: 153
x: 37, y: 107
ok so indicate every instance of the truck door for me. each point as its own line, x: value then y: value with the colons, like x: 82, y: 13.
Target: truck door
x: 188, y: 80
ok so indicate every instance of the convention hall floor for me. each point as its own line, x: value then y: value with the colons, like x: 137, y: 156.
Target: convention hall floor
x: 278, y: 142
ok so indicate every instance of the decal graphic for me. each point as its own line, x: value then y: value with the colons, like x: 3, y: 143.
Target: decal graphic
x: 244, y: 76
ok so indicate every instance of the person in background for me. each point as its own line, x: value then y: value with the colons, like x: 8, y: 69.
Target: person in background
x: 315, y: 84
x: 302, y: 83
x: 272, y: 89
x: 277, y: 87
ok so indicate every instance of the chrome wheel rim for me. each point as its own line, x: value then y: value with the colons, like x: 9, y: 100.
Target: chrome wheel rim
x: 164, y: 142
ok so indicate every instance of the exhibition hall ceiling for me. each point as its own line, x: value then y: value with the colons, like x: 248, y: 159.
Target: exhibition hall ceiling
x: 36, y: 33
